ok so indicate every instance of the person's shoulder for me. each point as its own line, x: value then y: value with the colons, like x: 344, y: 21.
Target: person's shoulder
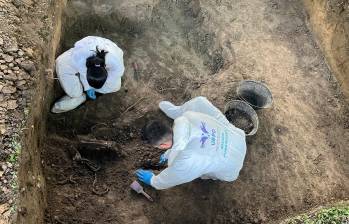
x: 181, y: 121
x: 93, y: 40
x: 84, y: 41
x: 189, y: 115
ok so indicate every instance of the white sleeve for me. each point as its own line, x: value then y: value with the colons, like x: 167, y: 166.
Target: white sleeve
x: 181, y: 136
x: 84, y: 82
x: 167, y: 153
x: 66, y: 74
x: 181, y: 133
x: 115, y: 68
x: 171, y: 110
x: 197, y: 104
x: 182, y: 171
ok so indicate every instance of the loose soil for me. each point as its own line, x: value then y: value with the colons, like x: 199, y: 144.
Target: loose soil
x: 240, y: 119
x: 176, y: 50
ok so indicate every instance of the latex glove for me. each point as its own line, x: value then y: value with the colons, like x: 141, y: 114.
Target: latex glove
x: 144, y: 175
x: 163, y: 159
x: 91, y: 94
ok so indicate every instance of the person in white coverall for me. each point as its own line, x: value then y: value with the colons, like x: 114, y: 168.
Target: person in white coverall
x: 202, y: 143
x: 94, y: 64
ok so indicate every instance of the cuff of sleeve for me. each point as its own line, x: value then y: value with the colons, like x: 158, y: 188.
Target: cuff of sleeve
x: 167, y: 153
x: 152, y: 181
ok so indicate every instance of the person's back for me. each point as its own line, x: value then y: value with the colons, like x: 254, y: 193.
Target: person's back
x: 223, y: 146
x: 202, y: 143
x: 94, y: 64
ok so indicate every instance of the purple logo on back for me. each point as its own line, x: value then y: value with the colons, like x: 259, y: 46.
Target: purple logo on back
x: 204, y: 135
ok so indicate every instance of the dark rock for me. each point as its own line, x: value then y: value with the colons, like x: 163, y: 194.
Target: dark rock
x: 28, y: 66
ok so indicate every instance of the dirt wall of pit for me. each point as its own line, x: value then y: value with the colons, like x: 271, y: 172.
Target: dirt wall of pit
x: 32, y: 187
x: 329, y: 20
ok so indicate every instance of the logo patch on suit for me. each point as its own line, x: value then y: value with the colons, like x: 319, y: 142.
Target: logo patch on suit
x: 206, y: 135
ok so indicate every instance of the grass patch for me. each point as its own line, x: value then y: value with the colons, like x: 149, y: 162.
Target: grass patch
x: 333, y: 215
x: 16, y: 146
x: 14, y: 160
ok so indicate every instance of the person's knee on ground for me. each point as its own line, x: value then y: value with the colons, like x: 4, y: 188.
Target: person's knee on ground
x: 67, y: 103
x: 86, y: 69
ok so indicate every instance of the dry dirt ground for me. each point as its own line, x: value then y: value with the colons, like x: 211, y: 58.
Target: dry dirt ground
x: 18, y: 74
x: 297, y: 160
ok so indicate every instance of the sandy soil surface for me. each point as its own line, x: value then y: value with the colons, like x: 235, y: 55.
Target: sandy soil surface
x: 297, y: 160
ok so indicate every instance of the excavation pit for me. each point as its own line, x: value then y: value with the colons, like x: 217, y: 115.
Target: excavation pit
x: 176, y: 50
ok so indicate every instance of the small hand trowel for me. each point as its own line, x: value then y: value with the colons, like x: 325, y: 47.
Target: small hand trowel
x: 139, y: 189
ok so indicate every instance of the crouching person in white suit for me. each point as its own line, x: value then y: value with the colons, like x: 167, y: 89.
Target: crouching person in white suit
x: 202, y: 143
x: 94, y: 64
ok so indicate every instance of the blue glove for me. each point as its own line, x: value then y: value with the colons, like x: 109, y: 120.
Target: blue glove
x: 163, y: 159
x: 144, y: 175
x: 91, y: 94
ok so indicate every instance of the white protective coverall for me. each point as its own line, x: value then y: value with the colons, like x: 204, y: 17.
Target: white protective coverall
x: 73, y: 61
x: 205, y: 145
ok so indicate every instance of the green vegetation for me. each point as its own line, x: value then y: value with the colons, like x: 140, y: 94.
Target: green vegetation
x: 16, y: 146
x: 13, y: 159
x: 333, y: 215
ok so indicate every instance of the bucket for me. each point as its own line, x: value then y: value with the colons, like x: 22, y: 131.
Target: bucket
x: 242, y: 115
x: 255, y: 93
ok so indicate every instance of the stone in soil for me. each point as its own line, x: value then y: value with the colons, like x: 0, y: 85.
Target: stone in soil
x: 29, y: 52
x: 28, y: 66
x: 13, y: 47
x: 8, y: 89
x: 11, y: 76
x: 3, y: 67
x: 20, y: 83
x: 8, y: 58
x: 22, y: 75
x: 2, y: 129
